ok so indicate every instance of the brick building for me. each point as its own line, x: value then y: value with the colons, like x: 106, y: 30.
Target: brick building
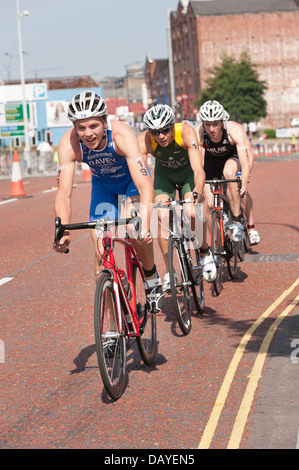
x: 157, y: 80
x: 203, y: 31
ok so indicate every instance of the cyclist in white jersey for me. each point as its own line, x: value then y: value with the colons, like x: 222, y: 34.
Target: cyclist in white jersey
x: 111, y: 150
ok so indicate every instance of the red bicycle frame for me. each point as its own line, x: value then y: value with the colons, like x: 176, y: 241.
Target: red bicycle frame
x: 109, y: 264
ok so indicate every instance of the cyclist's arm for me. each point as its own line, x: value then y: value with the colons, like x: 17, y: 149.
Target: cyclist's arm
x: 145, y: 144
x: 67, y: 149
x: 127, y: 145
x: 237, y: 136
x: 250, y: 154
x: 249, y: 148
x: 190, y: 142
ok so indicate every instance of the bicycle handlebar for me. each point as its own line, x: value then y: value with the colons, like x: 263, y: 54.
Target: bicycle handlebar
x: 173, y: 202
x: 99, y: 224
x: 218, y: 181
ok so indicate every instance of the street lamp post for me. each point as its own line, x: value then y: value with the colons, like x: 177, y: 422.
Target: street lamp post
x: 27, y: 146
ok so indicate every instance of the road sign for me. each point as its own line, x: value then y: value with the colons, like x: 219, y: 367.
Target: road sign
x: 12, y: 131
x: 39, y: 91
x: 14, y: 113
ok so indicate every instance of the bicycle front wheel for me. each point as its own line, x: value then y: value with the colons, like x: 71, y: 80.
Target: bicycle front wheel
x: 216, y: 249
x: 179, y: 283
x: 232, y: 250
x: 197, y: 281
x: 147, y: 339
x: 109, y: 337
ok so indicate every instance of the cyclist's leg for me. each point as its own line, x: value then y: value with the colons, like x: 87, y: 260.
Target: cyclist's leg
x: 253, y: 234
x: 213, y: 168
x: 164, y: 189
x: 230, y: 169
x: 104, y: 203
x: 145, y: 252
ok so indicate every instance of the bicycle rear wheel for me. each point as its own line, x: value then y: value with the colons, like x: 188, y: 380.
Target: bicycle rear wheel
x: 179, y: 283
x: 216, y: 249
x: 246, y: 241
x: 109, y: 337
x: 197, y: 284
x: 147, y: 341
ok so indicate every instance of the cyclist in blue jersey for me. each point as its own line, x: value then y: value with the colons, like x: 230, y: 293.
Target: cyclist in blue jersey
x: 111, y: 150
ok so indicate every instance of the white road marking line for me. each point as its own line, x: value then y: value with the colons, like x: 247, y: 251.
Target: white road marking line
x: 49, y: 190
x: 4, y: 280
x: 8, y: 200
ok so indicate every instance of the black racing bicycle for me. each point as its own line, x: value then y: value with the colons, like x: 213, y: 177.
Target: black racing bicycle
x: 223, y: 247
x: 185, y: 271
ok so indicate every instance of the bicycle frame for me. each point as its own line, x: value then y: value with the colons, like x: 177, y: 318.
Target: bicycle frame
x: 176, y: 227
x: 217, y: 197
x: 174, y: 224
x: 109, y: 264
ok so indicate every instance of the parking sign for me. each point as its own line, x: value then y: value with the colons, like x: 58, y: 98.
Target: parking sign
x: 40, y: 91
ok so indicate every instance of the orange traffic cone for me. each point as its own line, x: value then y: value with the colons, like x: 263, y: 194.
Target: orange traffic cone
x: 283, y: 149
x: 17, y: 188
x: 85, y: 172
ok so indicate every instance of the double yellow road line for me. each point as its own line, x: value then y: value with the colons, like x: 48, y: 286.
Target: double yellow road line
x: 245, y: 406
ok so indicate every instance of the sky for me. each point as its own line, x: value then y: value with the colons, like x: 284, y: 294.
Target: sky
x: 82, y: 37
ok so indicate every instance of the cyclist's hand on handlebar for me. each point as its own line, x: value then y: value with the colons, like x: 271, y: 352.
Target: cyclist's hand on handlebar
x: 198, y: 196
x: 243, y: 191
x: 145, y: 237
x: 63, y: 244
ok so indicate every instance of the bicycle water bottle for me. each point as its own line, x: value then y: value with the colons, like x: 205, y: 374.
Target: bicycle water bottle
x: 125, y: 283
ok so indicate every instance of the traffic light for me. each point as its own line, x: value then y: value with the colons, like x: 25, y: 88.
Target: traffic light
x: 17, y: 142
x: 48, y: 136
x: 34, y: 139
x: 39, y: 136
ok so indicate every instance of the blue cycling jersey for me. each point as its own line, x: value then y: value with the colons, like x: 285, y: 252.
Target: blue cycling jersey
x: 106, y: 164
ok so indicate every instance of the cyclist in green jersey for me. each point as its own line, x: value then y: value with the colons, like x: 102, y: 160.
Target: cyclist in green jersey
x: 177, y: 161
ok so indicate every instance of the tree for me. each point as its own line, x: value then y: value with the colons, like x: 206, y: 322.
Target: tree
x: 236, y: 85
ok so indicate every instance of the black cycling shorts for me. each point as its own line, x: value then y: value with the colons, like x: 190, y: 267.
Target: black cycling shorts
x: 213, y: 166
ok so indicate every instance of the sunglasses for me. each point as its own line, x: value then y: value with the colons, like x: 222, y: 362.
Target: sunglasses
x: 164, y: 131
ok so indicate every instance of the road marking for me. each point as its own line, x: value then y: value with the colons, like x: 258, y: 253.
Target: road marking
x: 255, y: 375
x: 50, y: 190
x: 226, y: 384
x: 297, y: 445
x: 272, y: 258
x: 4, y: 280
x: 8, y: 200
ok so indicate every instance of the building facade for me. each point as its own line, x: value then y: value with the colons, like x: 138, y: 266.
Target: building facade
x: 157, y: 81
x: 202, y: 32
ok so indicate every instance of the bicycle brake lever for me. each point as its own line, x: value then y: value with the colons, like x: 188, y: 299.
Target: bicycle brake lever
x: 195, y: 196
x: 58, y: 233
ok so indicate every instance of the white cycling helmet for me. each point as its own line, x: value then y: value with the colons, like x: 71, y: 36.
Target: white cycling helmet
x: 212, y: 111
x: 86, y: 104
x: 158, y: 116
x: 226, y: 115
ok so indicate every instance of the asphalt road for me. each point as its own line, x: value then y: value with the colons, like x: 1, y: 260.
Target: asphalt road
x: 231, y: 383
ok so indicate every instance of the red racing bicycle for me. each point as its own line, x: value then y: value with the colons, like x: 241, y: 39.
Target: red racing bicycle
x: 120, y: 308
